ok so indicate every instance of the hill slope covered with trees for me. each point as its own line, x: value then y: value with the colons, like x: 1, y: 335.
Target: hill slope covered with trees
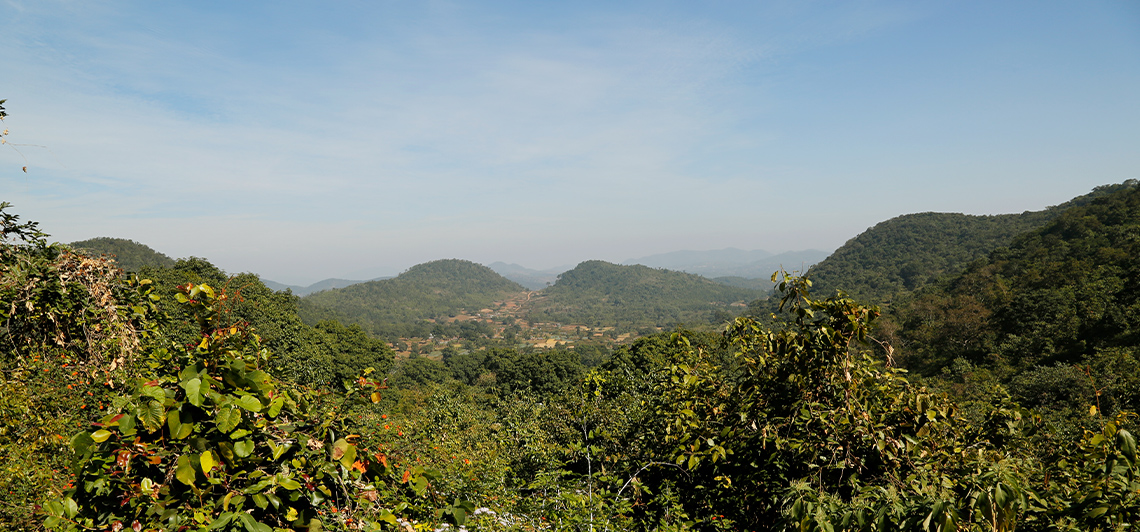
x: 122, y: 410
x: 910, y: 251
x: 598, y: 292
x: 392, y: 307
x: 1056, y: 315
x: 128, y: 254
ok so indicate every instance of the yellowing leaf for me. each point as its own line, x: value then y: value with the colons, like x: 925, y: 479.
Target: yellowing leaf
x: 208, y: 462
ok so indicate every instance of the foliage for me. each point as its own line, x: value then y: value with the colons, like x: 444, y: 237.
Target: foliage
x: 71, y: 331
x: 212, y: 441
x: 1067, y: 294
x: 323, y: 355
x: 810, y: 430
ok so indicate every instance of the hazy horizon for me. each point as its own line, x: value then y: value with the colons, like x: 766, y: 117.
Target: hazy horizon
x: 302, y: 141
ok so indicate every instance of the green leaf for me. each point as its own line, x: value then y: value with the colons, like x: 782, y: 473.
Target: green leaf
x: 275, y: 406
x: 154, y: 392
x: 250, y: 403
x: 82, y: 442
x: 178, y: 429
x: 243, y: 448
x: 184, y: 471
x: 239, y: 434
x: 228, y: 419
x: 70, y: 508
x: 344, y: 452
x: 221, y: 521
x: 193, y: 389
x: 1127, y: 444
x: 127, y: 425
x: 151, y: 415
x: 100, y: 435
x: 289, y: 484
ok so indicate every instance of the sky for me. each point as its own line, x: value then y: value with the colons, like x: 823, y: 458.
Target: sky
x: 353, y: 139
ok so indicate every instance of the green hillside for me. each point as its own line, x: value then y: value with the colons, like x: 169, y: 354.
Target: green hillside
x: 1058, y: 294
x: 910, y: 251
x: 1055, y: 317
x: 130, y: 255
x: 598, y: 293
x: 431, y: 290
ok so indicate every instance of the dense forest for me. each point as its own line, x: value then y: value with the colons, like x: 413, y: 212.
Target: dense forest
x: 598, y: 292
x: 997, y: 394
x: 127, y: 254
x: 908, y: 252
x: 397, y: 307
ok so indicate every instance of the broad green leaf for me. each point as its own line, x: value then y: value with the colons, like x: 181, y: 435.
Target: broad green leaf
x: 228, y: 419
x: 151, y: 415
x: 275, y: 406
x: 193, y: 389
x: 184, y: 471
x: 243, y: 448
x: 83, y: 441
x: 250, y: 403
x: 127, y: 425
x: 349, y: 456
x: 239, y: 434
x: 178, y: 430
x: 154, y: 392
x: 100, y: 435
x: 1127, y: 444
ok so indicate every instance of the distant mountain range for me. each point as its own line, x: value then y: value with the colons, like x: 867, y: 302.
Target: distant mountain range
x: 738, y: 268
x: 732, y: 262
x: 319, y: 286
x: 531, y: 279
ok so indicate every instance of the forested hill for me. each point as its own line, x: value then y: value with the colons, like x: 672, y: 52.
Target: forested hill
x: 128, y: 254
x: 910, y: 251
x: 600, y: 293
x: 1067, y: 293
x: 426, y: 291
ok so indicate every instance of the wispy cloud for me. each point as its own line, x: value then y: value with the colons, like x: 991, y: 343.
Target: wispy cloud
x: 390, y: 133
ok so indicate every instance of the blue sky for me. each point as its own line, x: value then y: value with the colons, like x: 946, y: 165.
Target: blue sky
x: 354, y: 139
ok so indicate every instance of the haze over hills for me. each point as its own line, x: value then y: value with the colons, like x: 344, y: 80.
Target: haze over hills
x: 318, y: 286
x: 910, y: 251
x: 732, y: 262
x: 532, y: 279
